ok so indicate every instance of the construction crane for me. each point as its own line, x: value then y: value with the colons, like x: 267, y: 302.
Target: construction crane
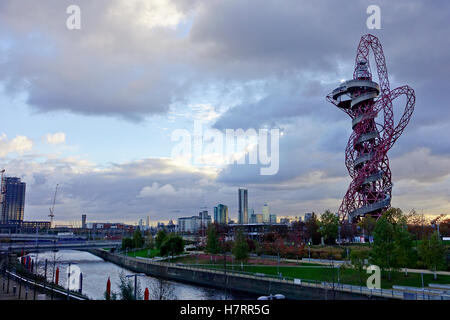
x: 52, y: 209
x: 2, y: 191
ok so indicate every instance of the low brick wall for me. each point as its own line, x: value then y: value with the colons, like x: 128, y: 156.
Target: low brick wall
x: 218, y: 279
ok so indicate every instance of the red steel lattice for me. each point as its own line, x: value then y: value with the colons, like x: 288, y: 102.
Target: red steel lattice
x: 366, y: 157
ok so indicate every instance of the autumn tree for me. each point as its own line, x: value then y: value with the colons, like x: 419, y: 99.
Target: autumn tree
x: 297, y: 232
x: 417, y: 224
x: 444, y: 228
x: 312, y: 229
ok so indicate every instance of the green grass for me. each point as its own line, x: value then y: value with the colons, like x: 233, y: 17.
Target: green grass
x: 219, y: 262
x: 347, y: 276
x: 144, y: 253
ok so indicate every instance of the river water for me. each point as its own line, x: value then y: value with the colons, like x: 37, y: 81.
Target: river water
x: 96, y: 272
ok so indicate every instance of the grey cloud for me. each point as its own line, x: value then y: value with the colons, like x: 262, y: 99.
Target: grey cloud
x: 299, y: 51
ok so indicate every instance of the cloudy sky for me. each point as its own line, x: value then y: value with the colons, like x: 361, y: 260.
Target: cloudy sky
x: 94, y: 109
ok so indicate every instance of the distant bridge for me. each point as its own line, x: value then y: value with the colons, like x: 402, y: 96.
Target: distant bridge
x: 80, y: 245
x: 16, y: 237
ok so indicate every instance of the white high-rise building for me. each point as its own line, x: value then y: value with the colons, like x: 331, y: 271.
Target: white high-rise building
x: 266, y: 213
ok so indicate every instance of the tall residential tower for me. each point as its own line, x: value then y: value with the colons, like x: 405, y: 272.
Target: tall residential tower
x: 13, y: 205
x: 243, y: 206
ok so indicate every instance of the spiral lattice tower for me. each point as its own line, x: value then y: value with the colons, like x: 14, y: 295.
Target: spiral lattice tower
x: 364, y: 100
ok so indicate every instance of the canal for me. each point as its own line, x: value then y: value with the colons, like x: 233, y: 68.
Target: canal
x: 96, y: 272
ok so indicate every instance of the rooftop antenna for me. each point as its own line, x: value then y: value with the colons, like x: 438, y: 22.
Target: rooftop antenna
x: 52, y: 209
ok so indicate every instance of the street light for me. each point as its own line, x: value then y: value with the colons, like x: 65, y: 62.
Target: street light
x: 135, y: 281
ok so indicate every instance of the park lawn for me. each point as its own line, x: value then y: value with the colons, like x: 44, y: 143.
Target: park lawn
x: 347, y: 276
x: 144, y: 253
x: 192, y: 259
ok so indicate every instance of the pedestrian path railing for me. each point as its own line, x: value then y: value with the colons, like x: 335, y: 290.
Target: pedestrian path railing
x: 32, y: 283
x: 394, y: 293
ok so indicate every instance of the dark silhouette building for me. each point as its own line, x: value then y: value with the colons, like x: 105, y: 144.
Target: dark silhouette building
x: 13, y: 201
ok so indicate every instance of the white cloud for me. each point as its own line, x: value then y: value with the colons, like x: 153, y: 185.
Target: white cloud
x: 19, y: 144
x: 56, y: 138
x: 156, y: 190
x: 148, y: 14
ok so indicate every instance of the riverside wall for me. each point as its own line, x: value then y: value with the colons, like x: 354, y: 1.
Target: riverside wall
x: 227, y: 281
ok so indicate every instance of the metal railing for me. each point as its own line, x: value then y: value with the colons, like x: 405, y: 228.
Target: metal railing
x: 32, y: 283
x: 354, y: 289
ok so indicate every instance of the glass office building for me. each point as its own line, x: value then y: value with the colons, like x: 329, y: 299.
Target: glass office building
x: 243, y: 206
x: 13, y: 200
x: 221, y: 214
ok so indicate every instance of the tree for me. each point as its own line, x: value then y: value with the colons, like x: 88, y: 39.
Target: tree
x: 358, y: 258
x: 160, y: 237
x: 329, y: 226
x: 297, y: 232
x: 382, y: 253
x: 445, y: 228
x: 312, y: 229
x: 162, y: 290
x: 431, y: 252
x: 403, y: 247
x: 172, y: 245
x: 368, y: 225
x: 240, y: 248
x: 394, y: 215
x: 348, y: 230
x: 417, y: 224
x: 138, y: 240
x: 212, y: 243
x: 127, y: 243
x: 149, y: 241
x: 126, y: 289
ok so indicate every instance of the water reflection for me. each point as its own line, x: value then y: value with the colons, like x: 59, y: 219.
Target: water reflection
x: 96, y: 272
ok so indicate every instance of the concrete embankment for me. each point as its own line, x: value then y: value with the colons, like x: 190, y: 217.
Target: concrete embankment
x: 222, y: 280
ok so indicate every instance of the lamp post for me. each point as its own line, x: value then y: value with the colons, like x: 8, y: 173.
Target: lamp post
x: 309, y: 252
x: 339, y: 234
x: 278, y: 263
x: 68, y: 281
x: 135, y: 282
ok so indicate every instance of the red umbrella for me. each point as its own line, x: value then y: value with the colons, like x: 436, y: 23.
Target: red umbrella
x: 146, y: 294
x: 57, y: 276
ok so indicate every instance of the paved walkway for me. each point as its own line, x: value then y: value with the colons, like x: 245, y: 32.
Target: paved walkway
x: 338, y: 262
x: 26, y: 293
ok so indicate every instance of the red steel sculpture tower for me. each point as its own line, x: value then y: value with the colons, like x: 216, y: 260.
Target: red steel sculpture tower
x: 369, y: 105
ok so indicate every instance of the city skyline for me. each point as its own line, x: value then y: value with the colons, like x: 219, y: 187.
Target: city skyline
x: 93, y: 109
